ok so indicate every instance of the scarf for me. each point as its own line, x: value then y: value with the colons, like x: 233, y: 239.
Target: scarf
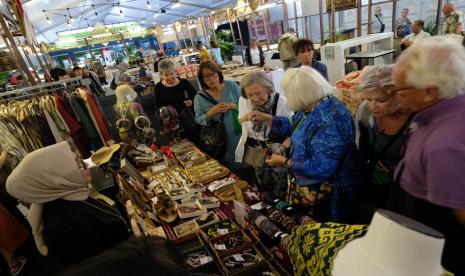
x: 45, y: 175
x: 266, y: 108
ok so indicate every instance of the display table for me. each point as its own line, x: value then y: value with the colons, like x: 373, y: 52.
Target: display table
x: 368, y: 58
x: 144, y: 200
x: 333, y: 55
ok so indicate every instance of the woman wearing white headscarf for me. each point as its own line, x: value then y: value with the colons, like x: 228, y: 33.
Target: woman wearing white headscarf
x: 65, y: 221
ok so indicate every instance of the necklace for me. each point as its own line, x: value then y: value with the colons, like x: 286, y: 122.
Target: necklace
x: 115, y: 213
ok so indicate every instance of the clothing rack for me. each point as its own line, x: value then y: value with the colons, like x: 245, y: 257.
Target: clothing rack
x: 46, y: 87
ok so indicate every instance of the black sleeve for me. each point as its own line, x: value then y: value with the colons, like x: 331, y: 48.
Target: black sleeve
x: 190, y: 89
x: 262, y: 57
x: 248, y: 58
x: 158, y: 91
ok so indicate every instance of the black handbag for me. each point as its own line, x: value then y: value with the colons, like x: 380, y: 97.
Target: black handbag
x: 187, y: 118
x: 113, y: 84
x: 213, y: 137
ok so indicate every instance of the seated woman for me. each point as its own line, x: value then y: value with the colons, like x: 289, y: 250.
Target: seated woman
x: 305, y: 51
x: 218, y: 101
x: 323, y: 159
x: 254, y: 53
x: 66, y: 222
x: 383, y: 125
x: 258, y: 94
x: 180, y: 94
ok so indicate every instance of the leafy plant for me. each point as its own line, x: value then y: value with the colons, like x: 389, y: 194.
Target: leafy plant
x: 430, y: 25
x: 224, y: 41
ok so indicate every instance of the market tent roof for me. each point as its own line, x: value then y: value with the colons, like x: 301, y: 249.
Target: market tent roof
x: 86, y: 13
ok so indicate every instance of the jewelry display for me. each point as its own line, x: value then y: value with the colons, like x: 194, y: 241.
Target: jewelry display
x: 221, y: 228
x: 206, y: 219
x: 207, y: 172
x: 185, y: 228
x: 190, y: 210
x: 241, y: 259
x: 198, y: 258
x: 230, y: 241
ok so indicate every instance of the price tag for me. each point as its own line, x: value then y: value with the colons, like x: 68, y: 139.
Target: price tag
x: 238, y: 258
x: 223, y: 231
x: 205, y: 260
x: 257, y: 206
x: 129, y: 97
x: 220, y: 247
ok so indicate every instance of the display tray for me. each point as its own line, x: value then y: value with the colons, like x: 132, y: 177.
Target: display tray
x: 185, y: 228
x: 190, y: 156
x: 241, y: 260
x: 190, y: 210
x: 225, y: 244
x: 209, y: 202
x: 221, y: 228
x: 189, y: 242
x: 207, y: 219
x: 198, y: 258
x: 207, y: 172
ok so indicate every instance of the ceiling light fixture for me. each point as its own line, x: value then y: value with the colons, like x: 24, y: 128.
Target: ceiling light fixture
x: 156, y: 14
x: 67, y: 21
x: 46, y: 17
x: 148, y: 5
x: 120, y: 11
x: 71, y: 19
x: 162, y: 10
x: 95, y: 12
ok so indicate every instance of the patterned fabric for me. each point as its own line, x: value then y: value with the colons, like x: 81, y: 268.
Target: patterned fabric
x: 323, y: 148
x: 451, y: 22
x: 313, y: 247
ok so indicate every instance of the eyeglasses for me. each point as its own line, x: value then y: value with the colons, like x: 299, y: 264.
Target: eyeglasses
x: 396, y: 91
x: 210, y: 76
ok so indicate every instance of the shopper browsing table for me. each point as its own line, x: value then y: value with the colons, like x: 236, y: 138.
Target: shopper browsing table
x: 258, y: 94
x: 66, y: 222
x: 254, y: 53
x: 177, y: 93
x: 323, y: 144
x: 383, y: 126
x: 416, y: 35
x: 431, y: 173
x: 226, y: 94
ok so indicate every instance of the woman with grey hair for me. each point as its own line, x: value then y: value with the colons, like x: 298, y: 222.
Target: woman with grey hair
x: 382, y: 125
x: 254, y: 53
x: 258, y: 93
x: 325, y: 182
x: 178, y: 93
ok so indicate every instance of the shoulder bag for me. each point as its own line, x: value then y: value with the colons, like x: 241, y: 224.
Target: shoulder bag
x: 213, y: 137
x: 256, y: 156
x: 187, y: 117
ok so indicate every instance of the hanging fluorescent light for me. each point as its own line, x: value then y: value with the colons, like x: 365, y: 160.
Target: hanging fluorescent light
x: 266, y: 6
x: 93, y: 7
x: 156, y: 14
x: 148, y: 5
x: 71, y: 19
x: 176, y: 5
x: 46, y: 17
x: 49, y: 21
x: 121, y: 12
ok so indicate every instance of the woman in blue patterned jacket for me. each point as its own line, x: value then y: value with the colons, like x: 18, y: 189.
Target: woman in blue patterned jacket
x: 323, y: 158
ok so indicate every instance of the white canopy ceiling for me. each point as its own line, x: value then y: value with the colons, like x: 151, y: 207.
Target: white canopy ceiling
x: 84, y: 12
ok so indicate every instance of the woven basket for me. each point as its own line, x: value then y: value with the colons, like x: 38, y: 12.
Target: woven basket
x: 351, y: 99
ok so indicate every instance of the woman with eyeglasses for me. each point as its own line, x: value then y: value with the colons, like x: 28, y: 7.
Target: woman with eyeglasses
x: 67, y: 223
x: 218, y: 102
x: 305, y: 51
x: 383, y: 124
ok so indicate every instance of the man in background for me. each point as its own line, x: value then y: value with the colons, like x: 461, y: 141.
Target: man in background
x: 453, y: 20
x: 403, y: 24
x: 286, y: 48
x: 377, y: 23
x: 416, y: 35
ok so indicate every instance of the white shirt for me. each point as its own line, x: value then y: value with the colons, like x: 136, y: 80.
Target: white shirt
x: 413, y: 37
x: 245, y: 106
x: 255, y: 56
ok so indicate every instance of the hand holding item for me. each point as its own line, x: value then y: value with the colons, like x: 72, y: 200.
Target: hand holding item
x: 257, y: 116
x: 276, y: 161
x: 188, y: 103
x: 220, y: 108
